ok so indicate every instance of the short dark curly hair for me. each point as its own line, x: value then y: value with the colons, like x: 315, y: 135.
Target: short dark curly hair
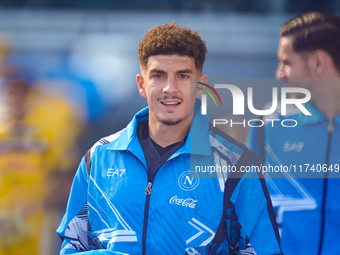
x: 170, y: 39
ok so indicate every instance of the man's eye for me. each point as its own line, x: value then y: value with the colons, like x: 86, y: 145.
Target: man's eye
x: 157, y: 76
x: 184, y: 76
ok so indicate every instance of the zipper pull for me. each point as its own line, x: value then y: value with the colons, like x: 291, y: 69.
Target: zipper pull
x: 148, y: 189
x: 330, y: 127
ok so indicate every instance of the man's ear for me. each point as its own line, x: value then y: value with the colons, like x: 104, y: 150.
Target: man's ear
x: 318, y: 62
x: 203, y: 79
x: 140, y: 85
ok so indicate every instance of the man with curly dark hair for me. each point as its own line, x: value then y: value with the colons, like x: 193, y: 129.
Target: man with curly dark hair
x: 175, y: 41
x: 135, y: 191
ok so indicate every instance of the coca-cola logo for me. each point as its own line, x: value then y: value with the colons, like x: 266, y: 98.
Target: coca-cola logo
x: 188, y: 202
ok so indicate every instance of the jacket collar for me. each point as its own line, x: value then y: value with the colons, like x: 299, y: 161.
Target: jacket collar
x: 197, y: 142
x: 316, y: 117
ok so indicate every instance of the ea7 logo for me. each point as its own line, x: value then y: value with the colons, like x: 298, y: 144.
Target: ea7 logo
x: 293, y: 146
x: 115, y: 172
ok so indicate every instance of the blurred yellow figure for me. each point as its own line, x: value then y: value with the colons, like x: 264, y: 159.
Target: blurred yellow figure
x: 37, y: 150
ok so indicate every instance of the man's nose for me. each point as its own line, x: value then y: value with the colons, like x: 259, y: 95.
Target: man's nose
x: 280, y: 74
x: 171, y: 86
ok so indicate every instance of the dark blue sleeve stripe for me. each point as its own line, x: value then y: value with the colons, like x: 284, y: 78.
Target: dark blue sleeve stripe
x: 88, y: 161
x: 270, y: 210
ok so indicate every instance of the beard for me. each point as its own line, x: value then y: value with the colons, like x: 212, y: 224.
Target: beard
x: 169, y: 122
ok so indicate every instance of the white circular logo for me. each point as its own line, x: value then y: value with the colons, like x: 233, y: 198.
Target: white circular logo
x: 188, y: 180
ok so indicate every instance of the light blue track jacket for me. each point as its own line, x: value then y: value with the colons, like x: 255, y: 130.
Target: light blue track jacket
x: 109, y: 212
x: 308, y: 207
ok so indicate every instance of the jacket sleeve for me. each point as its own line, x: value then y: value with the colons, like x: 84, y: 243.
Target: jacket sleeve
x: 73, y: 228
x: 253, y: 207
x: 248, y: 224
x: 65, y: 249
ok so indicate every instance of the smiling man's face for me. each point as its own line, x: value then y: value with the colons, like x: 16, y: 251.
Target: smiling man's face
x: 166, y: 85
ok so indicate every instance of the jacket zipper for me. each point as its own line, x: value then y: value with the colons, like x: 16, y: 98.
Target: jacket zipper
x: 325, y: 187
x: 147, y: 191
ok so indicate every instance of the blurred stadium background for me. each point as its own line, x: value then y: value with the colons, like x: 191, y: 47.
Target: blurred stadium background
x: 88, y: 49
x: 92, y: 45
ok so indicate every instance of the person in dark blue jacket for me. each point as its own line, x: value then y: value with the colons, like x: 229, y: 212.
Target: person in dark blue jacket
x: 307, y: 207
x: 138, y: 192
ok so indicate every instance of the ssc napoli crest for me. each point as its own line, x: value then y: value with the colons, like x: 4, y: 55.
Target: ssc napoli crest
x: 188, y: 180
